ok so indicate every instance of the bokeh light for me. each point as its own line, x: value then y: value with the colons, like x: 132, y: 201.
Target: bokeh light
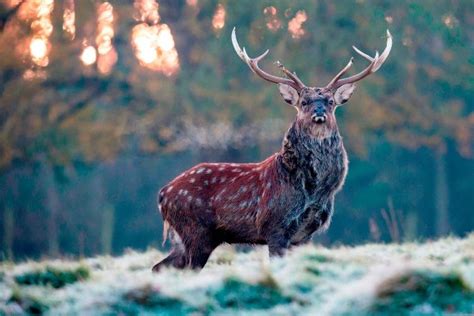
x: 272, y: 21
x: 69, y: 19
x: 107, y: 55
x: 295, y: 25
x: 89, y: 55
x: 153, y: 44
x: 41, y: 26
x: 218, y: 20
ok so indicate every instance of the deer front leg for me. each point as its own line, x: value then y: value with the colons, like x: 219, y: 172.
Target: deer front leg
x: 280, y: 238
x: 281, y: 229
x: 278, y: 242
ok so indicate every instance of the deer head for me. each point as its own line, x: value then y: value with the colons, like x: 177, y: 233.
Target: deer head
x: 315, y: 105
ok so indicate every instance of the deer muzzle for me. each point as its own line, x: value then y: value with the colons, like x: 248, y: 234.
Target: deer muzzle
x: 319, y: 116
x: 319, y: 119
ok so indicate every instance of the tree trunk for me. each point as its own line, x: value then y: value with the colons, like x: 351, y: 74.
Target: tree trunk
x: 441, y: 195
x: 53, y: 207
x: 108, y: 222
x: 8, y: 231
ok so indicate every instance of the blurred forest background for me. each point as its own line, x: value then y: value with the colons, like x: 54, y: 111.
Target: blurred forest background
x: 102, y: 103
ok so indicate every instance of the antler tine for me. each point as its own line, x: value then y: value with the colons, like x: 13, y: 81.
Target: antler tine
x: 289, y: 74
x: 358, y: 51
x: 342, y: 72
x: 253, y: 65
x: 375, y: 63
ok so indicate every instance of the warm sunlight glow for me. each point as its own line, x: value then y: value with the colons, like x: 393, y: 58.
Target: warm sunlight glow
x: 38, y: 48
x: 154, y: 44
x: 105, y: 33
x: 41, y: 27
x: 295, y: 25
x: 192, y: 3
x: 147, y: 11
x: 69, y: 19
x: 450, y: 21
x: 273, y: 23
x: 218, y: 20
x: 11, y: 3
x: 89, y: 55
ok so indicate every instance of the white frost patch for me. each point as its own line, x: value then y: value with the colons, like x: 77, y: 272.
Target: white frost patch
x: 340, y: 280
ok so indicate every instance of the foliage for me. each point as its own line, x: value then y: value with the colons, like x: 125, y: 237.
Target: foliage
x: 238, y: 295
x: 442, y: 292
x: 54, y: 277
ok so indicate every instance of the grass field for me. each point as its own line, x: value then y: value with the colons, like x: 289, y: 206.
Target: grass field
x: 412, y: 278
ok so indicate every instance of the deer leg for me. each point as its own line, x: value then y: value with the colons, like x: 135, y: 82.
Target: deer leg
x: 199, y: 249
x: 278, y: 243
x: 175, y: 259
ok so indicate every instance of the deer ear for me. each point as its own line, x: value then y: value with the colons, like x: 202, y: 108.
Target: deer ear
x: 289, y: 94
x: 344, y: 93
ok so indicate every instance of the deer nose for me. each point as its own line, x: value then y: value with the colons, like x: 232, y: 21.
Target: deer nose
x: 319, y: 118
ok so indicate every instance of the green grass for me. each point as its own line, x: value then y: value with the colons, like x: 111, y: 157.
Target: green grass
x: 432, y: 278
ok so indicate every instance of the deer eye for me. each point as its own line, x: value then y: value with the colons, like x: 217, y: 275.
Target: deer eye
x: 304, y: 102
x: 331, y: 102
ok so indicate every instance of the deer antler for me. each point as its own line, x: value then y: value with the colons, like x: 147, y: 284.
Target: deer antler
x: 293, y: 80
x: 375, y: 63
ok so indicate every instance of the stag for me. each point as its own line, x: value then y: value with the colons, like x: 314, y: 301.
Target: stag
x: 281, y: 201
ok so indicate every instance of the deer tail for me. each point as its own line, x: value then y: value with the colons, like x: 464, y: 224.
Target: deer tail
x: 166, y: 228
x: 166, y: 224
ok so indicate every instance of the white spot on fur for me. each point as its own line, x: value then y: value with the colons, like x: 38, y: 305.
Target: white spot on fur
x: 169, y: 189
x: 192, y: 172
x: 200, y: 170
x: 209, y: 171
x: 221, y: 169
x: 236, y: 170
x: 223, y: 179
x: 190, y: 198
x: 214, y: 179
x: 206, y: 182
x: 180, y: 191
x: 192, y: 180
x: 198, y: 202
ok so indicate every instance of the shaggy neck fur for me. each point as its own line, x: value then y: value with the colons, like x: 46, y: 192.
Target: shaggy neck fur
x: 316, y: 165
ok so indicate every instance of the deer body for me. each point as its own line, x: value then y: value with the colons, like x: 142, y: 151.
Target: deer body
x: 281, y: 201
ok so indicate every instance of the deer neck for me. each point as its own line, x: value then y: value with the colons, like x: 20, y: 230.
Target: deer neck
x: 315, y: 163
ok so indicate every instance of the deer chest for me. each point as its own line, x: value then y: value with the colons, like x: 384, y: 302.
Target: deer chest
x: 324, y: 173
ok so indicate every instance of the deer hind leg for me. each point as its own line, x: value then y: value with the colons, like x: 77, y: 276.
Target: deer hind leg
x: 176, y: 258
x: 199, y: 249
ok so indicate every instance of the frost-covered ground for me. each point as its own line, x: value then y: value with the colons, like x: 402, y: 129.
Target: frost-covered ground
x: 415, y: 279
